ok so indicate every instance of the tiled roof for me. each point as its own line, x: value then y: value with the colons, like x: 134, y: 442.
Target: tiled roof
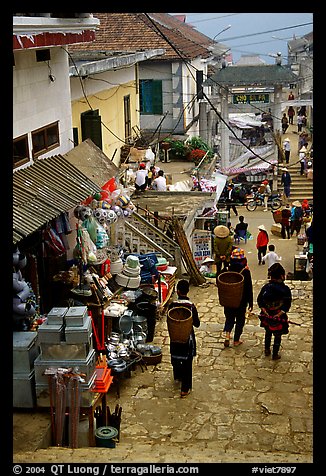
x: 267, y: 75
x: 130, y: 32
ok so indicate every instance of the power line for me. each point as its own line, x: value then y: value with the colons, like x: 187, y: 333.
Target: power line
x: 188, y: 64
x: 267, y: 31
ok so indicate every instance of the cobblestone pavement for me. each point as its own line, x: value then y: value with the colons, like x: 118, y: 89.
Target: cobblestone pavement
x: 244, y: 407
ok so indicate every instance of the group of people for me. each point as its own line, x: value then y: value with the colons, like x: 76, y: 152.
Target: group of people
x: 287, y: 118
x: 274, y: 298
x: 152, y: 178
x: 274, y: 301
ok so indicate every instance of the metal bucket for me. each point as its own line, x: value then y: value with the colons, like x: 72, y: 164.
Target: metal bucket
x: 148, y: 310
x: 106, y: 436
x: 139, y: 323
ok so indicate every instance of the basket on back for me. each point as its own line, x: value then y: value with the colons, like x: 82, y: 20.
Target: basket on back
x: 230, y: 288
x: 179, y: 322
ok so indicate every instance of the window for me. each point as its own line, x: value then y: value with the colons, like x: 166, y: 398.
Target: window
x: 20, y: 151
x: 127, y: 118
x: 45, y: 138
x: 151, y: 96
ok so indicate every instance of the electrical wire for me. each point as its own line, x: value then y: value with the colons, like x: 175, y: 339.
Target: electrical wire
x: 204, y: 94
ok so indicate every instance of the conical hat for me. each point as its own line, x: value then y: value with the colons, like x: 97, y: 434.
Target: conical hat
x: 221, y: 231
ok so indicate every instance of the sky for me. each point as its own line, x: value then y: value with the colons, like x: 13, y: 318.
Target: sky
x: 260, y: 33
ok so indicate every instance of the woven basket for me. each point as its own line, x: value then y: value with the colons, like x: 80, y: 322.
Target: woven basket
x: 277, y: 215
x: 179, y: 322
x: 230, y: 288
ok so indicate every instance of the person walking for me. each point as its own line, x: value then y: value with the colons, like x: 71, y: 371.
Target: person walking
x: 270, y: 258
x: 303, y: 159
x: 182, y: 354
x: 300, y: 121
x: 222, y: 248
x: 141, y: 178
x: 290, y: 96
x: 284, y: 123
x: 285, y: 221
x: 274, y: 301
x: 286, y: 182
x: 262, y: 242
x: 287, y: 149
x: 230, y: 199
x: 236, y: 316
x: 291, y: 114
x: 296, y: 217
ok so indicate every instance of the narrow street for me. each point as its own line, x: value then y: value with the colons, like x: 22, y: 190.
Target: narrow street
x: 244, y: 407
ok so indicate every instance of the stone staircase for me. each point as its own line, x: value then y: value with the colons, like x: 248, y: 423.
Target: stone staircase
x: 301, y: 187
x: 141, y: 236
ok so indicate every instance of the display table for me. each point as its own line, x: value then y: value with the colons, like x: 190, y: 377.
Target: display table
x: 126, y: 372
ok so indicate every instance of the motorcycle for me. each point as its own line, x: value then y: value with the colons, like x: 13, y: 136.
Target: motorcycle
x: 274, y: 201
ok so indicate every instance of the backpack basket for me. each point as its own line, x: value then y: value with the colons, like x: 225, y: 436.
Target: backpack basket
x: 230, y: 288
x: 179, y: 322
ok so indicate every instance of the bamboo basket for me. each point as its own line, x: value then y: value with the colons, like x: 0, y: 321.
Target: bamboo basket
x: 230, y: 288
x: 179, y: 322
x: 277, y: 215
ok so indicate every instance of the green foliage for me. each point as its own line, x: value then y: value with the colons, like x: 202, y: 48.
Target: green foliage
x: 184, y: 148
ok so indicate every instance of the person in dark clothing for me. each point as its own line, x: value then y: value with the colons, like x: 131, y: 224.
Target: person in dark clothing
x: 285, y: 222
x: 296, y: 217
x: 286, y: 182
x: 237, y: 315
x: 284, y: 123
x: 274, y: 300
x: 230, y: 198
x: 182, y: 354
x: 291, y: 113
x: 240, y: 226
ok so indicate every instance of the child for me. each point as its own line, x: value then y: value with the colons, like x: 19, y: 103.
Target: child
x: 274, y: 300
x: 182, y: 354
x: 270, y: 258
x: 262, y: 242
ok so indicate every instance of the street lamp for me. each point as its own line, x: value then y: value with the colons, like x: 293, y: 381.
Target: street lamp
x: 224, y: 29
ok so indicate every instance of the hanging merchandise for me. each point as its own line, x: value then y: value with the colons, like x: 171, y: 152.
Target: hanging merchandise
x: 24, y: 299
x: 110, y: 185
x: 53, y: 245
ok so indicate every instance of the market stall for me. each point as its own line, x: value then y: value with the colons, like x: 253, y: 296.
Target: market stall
x: 75, y: 294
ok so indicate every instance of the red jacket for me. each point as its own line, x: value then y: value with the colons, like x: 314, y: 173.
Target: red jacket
x: 262, y: 239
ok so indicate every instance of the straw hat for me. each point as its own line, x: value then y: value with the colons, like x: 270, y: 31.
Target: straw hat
x: 296, y: 203
x: 286, y: 139
x: 221, y: 231
x: 303, y: 149
x: 208, y: 260
x: 284, y: 169
x: 262, y: 227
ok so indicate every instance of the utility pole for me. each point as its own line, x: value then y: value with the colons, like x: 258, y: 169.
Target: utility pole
x: 225, y: 134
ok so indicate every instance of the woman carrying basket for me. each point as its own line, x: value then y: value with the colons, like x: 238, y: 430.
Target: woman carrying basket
x: 237, y: 315
x: 182, y: 353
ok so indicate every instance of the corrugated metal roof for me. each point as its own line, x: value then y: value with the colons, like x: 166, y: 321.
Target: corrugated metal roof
x: 45, y: 189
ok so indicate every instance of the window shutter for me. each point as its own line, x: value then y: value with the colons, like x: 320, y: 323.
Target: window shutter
x: 91, y: 127
x: 146, y: 96
x: 157, y: 97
